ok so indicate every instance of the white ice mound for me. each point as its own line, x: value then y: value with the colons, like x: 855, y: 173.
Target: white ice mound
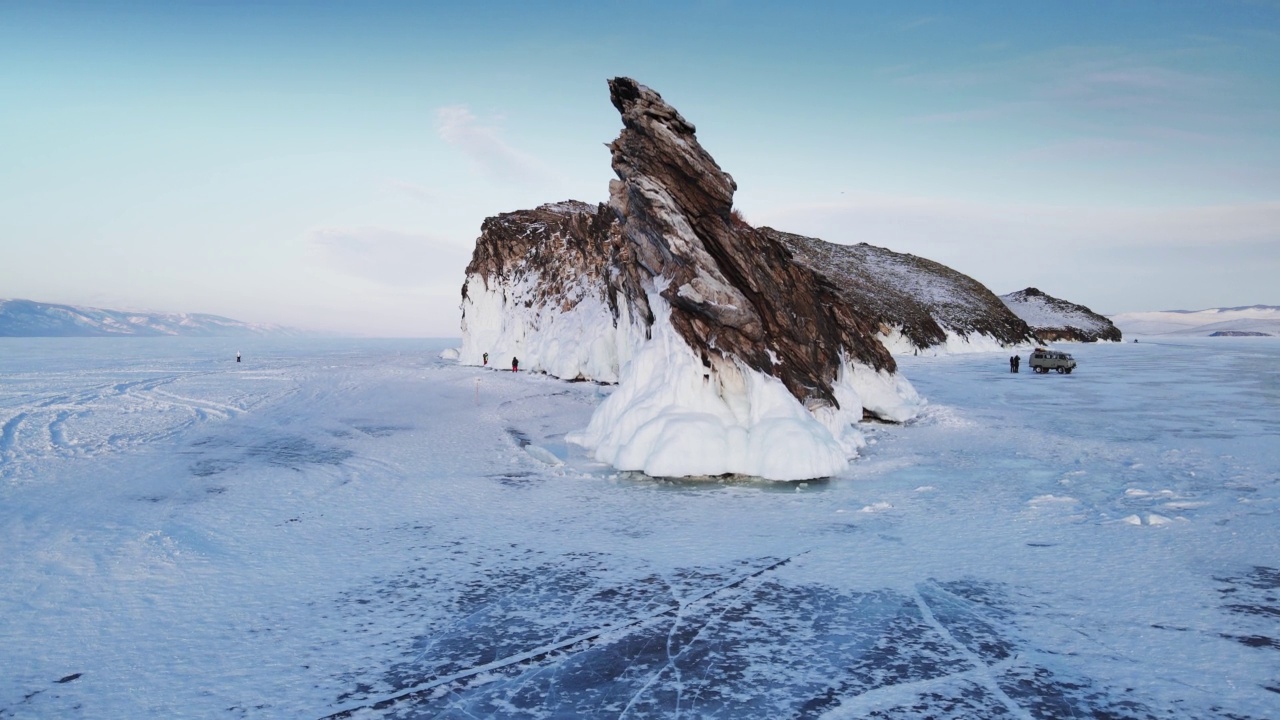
x: 512, y: 320
x: 673, y: 417
x: 888, y: 396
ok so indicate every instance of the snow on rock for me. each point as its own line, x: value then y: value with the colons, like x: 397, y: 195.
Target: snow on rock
x: 1055, y: 320
x: 731, y: 356
x: 952, y: 343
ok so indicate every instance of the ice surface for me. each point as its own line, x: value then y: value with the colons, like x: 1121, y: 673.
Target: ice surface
x: 360, y: 530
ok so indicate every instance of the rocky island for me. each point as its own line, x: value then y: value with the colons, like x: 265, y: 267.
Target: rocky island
x: 736, y: 350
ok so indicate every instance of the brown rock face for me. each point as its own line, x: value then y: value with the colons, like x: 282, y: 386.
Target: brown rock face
x: 734, y: 291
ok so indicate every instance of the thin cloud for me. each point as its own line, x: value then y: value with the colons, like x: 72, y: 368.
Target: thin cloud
x: 990, y: 112
x: 388, y: 257
x: 420, y: 193
x: 1076, y: 79
x: 1085, y: 148
x: 485, y: 148
x: 920, y: 22
x: 1108, y: 258
x: 902, y: 222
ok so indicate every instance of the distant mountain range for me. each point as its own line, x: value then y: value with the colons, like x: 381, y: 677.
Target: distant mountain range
x: 26, y: 318
x: 1235, y: 321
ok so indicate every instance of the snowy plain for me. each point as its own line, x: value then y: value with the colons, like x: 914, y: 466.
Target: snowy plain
x: 362, y: 529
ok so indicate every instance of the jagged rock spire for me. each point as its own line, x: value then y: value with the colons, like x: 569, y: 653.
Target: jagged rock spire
x: 735, y: 293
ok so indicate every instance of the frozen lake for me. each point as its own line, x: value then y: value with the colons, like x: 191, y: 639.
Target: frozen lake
x: 359, y: 529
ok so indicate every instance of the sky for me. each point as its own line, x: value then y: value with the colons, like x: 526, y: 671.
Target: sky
x: 327, y: 166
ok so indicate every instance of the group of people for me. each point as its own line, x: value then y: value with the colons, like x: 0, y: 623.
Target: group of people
x: 515, y: 363
x: 1014, y: 362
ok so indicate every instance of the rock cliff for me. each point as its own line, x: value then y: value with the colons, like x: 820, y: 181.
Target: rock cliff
x: 542, y: 286
x: 1053, y: 319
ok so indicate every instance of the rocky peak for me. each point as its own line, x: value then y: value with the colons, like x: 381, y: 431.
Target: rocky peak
x: 735, y: 292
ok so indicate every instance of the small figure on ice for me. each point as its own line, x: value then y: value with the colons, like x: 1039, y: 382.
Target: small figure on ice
x: 515, y: 364
x: 1013, y: 363
x: 486, y: 359
x: 237, y: 356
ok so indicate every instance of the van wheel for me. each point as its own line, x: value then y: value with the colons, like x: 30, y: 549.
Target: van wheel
x: 1067, y: 371
x: 1061, y: 370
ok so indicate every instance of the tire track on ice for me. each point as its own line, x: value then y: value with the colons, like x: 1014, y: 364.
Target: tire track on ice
x: 39, y: 429
x: 9, y: 433
x: 569, y: 646
x: 224, y: 411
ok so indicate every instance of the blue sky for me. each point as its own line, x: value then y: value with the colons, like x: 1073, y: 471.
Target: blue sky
x: 329, y: 165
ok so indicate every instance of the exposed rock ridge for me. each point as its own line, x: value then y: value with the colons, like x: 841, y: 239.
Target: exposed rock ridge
x: 565, y: 243
x: 735, y: 292
x: 923, y: 300
x: 1053, y: 319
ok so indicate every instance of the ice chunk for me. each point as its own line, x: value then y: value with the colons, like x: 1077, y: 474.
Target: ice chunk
x: 537, y: 452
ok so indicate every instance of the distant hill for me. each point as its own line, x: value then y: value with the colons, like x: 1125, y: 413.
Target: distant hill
x: 1054, y: 319
x: 26, y: 318
x: 1250, y: 320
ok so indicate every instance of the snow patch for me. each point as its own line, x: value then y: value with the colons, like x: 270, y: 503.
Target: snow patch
x: 955, y: 344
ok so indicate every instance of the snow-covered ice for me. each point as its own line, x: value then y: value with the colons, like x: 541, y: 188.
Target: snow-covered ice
x: 367, y: 529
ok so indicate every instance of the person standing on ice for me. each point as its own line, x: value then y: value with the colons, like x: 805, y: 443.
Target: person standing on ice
x: 515, y: 364
x: 1013, y: 365
x: 237, y: 356
x: 486, y: 358
x: 1016, y: 362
